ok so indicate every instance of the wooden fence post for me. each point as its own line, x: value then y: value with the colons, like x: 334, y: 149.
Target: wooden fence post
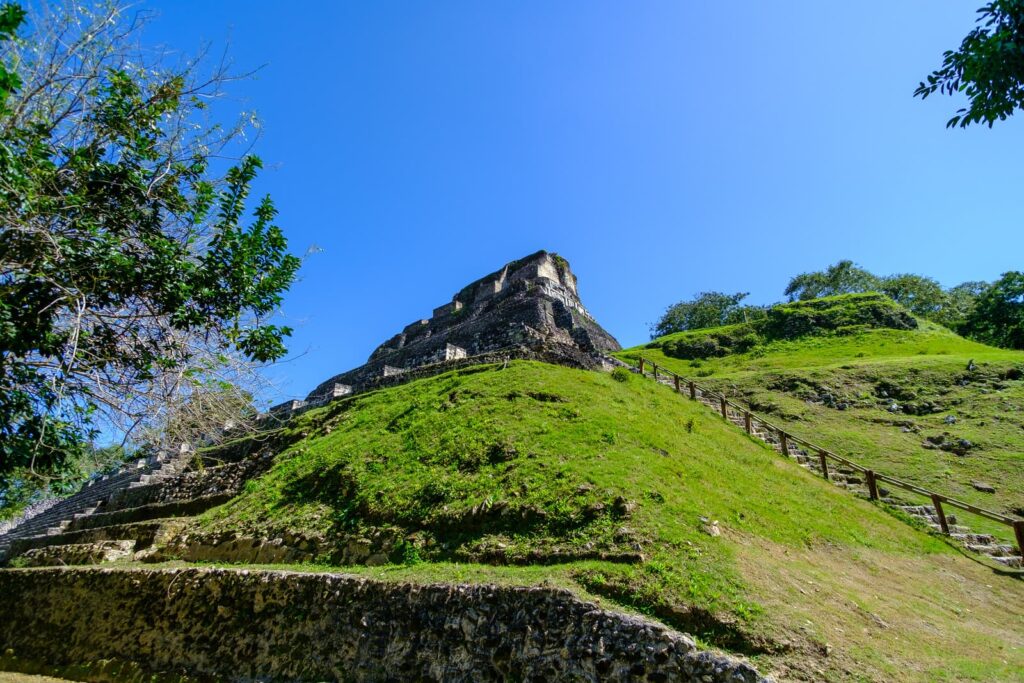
x: 872, y: 485
x: 1018, y: 531
x: 824, y: 464
x: 641, y: 365
x: 676, y: 377
x: 784, y: 443
x: 937, y: 502
x: 748, y: 422
x: 725, y: 408
x: 693, y: 391
x: 654, y: 369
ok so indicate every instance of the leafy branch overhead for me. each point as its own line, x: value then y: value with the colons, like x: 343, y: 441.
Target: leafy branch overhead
x: 988, y: 67
x: 129, y: 272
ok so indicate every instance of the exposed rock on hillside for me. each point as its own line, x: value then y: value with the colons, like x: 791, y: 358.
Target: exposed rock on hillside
x: 531, y: 304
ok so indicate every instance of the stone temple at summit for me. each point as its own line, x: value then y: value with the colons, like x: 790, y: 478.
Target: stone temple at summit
x: 530, y: 308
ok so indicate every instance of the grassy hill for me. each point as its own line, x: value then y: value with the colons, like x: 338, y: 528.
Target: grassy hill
x: 899, y: 399
x: 617, y: 488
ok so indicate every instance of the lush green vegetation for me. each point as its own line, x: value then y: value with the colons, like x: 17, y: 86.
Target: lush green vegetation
x: 132, y: 276
x: 987, y: 67
x: 538, y: 473
x: 992, y: 313
x: 842, y: 315
x: 901, y: 401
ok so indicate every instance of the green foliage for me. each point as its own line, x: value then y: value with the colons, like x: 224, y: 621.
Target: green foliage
x: 832, y: 314
x: 988, y: 67
x: 837, y: 314
x: 918, y: 294
x: 621, y: 374
x: 706, y: 309
x: 711, y: 343
x: 11, y: 17
x: 923, y: 296
x: 998, y: 314
x: 844, y: 277
x: 118, y: 252
x: 959, y: 305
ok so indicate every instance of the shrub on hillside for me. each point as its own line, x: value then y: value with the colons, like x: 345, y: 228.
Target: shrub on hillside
x: 838, y: 315
x: 798, y: 319
x: 713, y: 343
x: 621, y: 374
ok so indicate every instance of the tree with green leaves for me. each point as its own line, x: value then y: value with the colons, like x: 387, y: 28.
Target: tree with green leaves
x: 998, y: 314
x: 920, y: 295
x: 130, y: 274
x: 844, y: 277
x: 988, y: 67
x: 959, y: 304
x: 706, y: 309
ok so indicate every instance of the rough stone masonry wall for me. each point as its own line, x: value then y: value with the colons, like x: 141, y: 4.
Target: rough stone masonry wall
x: 243, y: 625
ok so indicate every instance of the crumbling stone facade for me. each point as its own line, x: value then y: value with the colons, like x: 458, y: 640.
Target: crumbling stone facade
x: 531, y: 304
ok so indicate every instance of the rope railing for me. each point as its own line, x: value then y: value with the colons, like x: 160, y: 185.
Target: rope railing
x: 695, y: 391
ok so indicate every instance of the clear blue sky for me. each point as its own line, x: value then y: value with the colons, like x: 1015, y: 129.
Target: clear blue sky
x: 662, y: 147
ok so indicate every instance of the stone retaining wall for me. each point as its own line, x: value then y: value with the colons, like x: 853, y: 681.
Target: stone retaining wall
x: 243, y: 625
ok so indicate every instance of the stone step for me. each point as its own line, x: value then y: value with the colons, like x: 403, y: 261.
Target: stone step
x: 177, y: 508
x: 144, y: 533
x: 55, y: 518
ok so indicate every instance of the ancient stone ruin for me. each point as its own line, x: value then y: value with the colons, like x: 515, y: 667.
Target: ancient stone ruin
x: 529, y: 308
x: 259, y: 625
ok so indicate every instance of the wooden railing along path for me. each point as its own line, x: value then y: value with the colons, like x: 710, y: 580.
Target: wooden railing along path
x: 752, y: 421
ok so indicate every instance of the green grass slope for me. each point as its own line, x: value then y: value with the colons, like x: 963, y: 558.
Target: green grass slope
x: 618, y: 488
x: 901, y: 401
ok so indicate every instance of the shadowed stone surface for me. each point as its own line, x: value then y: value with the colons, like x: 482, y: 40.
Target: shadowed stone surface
x: 532, y: 303
x: 284, y: 626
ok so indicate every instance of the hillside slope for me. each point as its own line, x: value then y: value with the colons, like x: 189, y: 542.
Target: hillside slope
x: 616, y: 487
x: 922, y: 404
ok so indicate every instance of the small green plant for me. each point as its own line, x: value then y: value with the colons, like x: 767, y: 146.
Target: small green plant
x: 408, y: 553
x: 690, y: 425
x: 621, y: 374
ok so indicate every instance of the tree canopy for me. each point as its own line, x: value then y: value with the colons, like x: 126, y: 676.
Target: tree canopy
x: 919, y: 294
x: 706, y: 309
x: 988, y: 67
x: 998, y: 314
x: 844, y: 277
x: 129, y: 272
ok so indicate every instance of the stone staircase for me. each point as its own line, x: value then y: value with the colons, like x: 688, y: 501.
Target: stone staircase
x: 62, y: 516
x: 131, y: 514
x: 848, y: 478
